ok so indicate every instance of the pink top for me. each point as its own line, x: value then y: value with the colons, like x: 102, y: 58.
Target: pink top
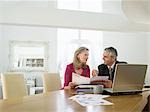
x: 70, y: 69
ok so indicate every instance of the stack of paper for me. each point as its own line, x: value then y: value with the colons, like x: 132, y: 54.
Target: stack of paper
x: 97, y: 78
x: 78, y: 79
x: 91, y: 99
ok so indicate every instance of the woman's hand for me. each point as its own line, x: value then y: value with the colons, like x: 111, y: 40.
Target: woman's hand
x: 71, y: 85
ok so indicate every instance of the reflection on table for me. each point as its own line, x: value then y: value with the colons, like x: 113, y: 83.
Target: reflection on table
x: 58, y: 101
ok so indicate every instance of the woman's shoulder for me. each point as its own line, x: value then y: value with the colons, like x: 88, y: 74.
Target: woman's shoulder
x: 70, y: 65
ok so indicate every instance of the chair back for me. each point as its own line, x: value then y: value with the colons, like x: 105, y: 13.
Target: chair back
x: 13, y: 85
x: 51, y: 82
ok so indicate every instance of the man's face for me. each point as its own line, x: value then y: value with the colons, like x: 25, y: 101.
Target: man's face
x: 108, y: 59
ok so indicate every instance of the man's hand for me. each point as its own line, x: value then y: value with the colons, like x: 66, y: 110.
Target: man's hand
x: 107, y: 83
x: 94, y: 72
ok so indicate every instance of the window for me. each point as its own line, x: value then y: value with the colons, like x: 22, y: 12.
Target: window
x: 81, y: 5
x: 70, y: 39
x: 28, y: 55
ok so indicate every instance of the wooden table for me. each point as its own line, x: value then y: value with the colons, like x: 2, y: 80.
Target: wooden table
x: 58, y: 102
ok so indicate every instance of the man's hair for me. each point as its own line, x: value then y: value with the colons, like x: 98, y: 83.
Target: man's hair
x: 112, y: 51
x: 76, y: 62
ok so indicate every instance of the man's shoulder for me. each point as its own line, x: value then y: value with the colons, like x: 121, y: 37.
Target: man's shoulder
x: 121, y: 62
x: 102, y: 66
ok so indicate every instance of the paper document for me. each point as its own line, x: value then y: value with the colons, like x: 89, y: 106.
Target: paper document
x: 96, y: 78
x: 91, y: 99
x: 78, y: 79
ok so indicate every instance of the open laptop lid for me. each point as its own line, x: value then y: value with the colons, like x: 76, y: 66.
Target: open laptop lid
x: 129, y: 77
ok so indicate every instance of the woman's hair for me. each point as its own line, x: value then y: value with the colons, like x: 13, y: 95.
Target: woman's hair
x: 76, y: 62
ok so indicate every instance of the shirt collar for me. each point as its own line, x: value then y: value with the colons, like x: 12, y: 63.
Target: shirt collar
x: 112, y: 66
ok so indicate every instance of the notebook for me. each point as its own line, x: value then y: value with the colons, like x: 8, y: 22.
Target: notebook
x: 128, y: 78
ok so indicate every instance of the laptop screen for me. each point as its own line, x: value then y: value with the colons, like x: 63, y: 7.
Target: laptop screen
x: 129, y: 77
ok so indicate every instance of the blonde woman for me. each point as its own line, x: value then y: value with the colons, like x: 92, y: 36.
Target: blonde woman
x: 78, y: 66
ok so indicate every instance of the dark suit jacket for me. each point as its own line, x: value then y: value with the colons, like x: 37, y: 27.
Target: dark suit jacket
x: 104, y: 71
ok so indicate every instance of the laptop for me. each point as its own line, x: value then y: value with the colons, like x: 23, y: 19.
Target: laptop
x: 128, y: 78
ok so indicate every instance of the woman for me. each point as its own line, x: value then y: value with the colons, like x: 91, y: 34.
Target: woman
x: 78, y: 66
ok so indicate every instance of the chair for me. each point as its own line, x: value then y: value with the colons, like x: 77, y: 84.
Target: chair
x: 51, y: 82
x: 13, y: 85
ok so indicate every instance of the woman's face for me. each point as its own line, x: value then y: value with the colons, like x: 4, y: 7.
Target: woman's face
x: 83, y: 56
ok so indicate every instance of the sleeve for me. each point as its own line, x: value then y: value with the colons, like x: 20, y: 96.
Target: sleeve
x: 99, y: 70
x: 68, y: 76
x: 103, y: 70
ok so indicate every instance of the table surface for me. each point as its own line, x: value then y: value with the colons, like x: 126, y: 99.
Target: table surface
x: 58, y: 101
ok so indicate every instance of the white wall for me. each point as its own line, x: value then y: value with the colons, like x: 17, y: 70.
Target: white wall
x: 1, y: 48
x: 112, y: 7
x: 26, y: 14
x: 132, y: 47
x: 148, y: 71
x: 0, y: 37
x: 1, y: 10
x: 149, y: 47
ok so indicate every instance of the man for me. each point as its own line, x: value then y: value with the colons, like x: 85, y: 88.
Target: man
x: 108, y: 67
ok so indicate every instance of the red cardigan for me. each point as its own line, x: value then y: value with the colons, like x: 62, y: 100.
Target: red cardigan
x: 70, y: 69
